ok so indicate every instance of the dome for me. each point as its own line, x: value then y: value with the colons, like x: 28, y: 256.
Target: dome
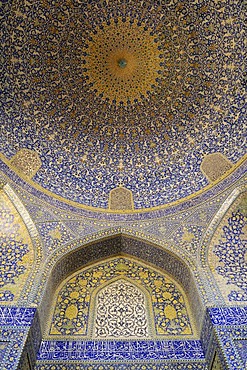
x: 130, y: 94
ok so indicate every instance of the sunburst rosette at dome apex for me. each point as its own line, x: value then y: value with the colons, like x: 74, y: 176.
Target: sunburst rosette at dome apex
x: 123, y: 61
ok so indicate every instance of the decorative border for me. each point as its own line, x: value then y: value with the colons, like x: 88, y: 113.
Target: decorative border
x: 222, y: 326
x: 120, y: 350
x: 16, y: 316
x: 168, y: 365
x: 228, y: 316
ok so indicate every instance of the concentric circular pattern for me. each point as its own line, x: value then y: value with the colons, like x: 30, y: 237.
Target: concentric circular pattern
x: 141, y: 113
x: 122, y: 61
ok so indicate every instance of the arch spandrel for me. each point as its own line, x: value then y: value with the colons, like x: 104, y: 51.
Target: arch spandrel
x: 227, y: 253
x: 17, y: 252
x: 75, y: 303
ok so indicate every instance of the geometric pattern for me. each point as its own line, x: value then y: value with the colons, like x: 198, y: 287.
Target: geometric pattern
x: 241, y: 345
x: 117, y: 68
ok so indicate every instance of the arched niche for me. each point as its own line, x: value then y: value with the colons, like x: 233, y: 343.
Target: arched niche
x: 119, y: 297
x: 121, y: 245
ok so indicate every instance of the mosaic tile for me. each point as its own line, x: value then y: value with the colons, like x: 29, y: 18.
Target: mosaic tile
x: 188, y: 238
x: 16, y: 337
x: 195, y: 365
x: 75, y: 301
x: 163, y: 229
x: 121, y: 198
x: 27, y: 161
x: 207, y: 333
x: 16, y: 316
x: 82, y: 228
x: 241, y: 345
x: 228, y: 315
x: 121, y: 312
x: 16, y: 255
x: 215, y: 166
x: 23, y: 189
x: 234, y: 243
x: 32, y: 344
x: 219, y: 334
x: 38, y: 212
x: 115, y: 351
x: 54, y: 234
x: 115, y: 246
x: 225, y: 327
x: 3, y: 348
x: 226, y: 254
x: 153, y: 139
x: 230, y: 352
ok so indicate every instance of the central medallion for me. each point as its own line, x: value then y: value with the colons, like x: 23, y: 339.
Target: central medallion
x: 122, y: 61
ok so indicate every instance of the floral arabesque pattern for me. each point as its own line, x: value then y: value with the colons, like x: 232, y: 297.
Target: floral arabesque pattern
x: 232, y: 255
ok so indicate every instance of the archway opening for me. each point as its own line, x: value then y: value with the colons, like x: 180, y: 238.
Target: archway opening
x: 119, y: 298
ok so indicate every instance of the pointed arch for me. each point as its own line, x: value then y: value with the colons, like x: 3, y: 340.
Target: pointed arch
x: 72, y: 311
x: 119, y: 245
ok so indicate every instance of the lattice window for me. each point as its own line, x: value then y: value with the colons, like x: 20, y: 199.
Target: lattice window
x: 120, y: 312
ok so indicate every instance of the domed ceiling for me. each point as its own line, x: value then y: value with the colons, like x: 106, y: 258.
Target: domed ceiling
x: 123, y: 93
